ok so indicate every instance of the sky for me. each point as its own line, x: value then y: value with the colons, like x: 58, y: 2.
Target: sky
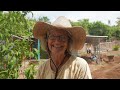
x: 102, y: 16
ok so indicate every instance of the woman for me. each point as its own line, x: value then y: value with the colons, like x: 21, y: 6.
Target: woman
x: 61, y: 41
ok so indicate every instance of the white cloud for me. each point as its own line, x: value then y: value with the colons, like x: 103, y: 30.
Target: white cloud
x: 102, y: 16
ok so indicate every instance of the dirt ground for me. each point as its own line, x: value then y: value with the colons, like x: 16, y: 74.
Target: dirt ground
x: 106, y: 69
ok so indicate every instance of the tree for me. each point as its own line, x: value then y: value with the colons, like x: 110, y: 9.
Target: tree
x: 84, y: 23
x: 12, y: 49
x: 44, y: 19
x: 118, y: 22
x: 116, y: 32
x: 98, y: 28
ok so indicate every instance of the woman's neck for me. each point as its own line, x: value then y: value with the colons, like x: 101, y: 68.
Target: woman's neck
x: 57, y: 59
x: 57, y: 62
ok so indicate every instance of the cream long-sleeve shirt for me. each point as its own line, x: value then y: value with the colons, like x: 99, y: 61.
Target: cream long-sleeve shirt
x: 74, y: 68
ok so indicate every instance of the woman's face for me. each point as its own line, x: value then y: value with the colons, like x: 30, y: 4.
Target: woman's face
x: 57, y: 41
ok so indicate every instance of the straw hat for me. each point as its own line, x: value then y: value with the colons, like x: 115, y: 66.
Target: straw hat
x: 78, y: 33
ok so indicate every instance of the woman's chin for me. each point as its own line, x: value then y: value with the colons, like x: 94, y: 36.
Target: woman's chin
x: 57, y: 51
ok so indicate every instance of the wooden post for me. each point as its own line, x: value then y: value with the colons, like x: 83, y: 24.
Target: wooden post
x: 99, y: 52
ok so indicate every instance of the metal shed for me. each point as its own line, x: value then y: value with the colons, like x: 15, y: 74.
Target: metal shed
x: 95, y: 41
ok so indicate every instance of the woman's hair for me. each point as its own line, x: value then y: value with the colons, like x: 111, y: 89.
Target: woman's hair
x: 68, y: 51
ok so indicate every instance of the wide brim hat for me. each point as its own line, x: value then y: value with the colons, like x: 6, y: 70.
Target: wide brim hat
x: 78, y: 33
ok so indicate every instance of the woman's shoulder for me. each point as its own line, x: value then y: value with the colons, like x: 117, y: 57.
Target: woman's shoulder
x: 78, y: 60
x: 43, y: 63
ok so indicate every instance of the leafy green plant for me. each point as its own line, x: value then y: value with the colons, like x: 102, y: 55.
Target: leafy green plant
x: 30, y: 72
x: 15, y: 41
x: 116, y: 48
x: 10, y: 70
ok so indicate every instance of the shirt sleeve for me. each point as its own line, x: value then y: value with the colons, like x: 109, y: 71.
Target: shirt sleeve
x: 40, y: 72
x: 83, y: 70
x: 86, y: 72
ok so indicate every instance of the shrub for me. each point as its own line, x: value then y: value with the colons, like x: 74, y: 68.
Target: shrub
x: 116, y: 48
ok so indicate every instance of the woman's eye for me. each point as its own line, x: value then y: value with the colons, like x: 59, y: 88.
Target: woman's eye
x: 62, y: 37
